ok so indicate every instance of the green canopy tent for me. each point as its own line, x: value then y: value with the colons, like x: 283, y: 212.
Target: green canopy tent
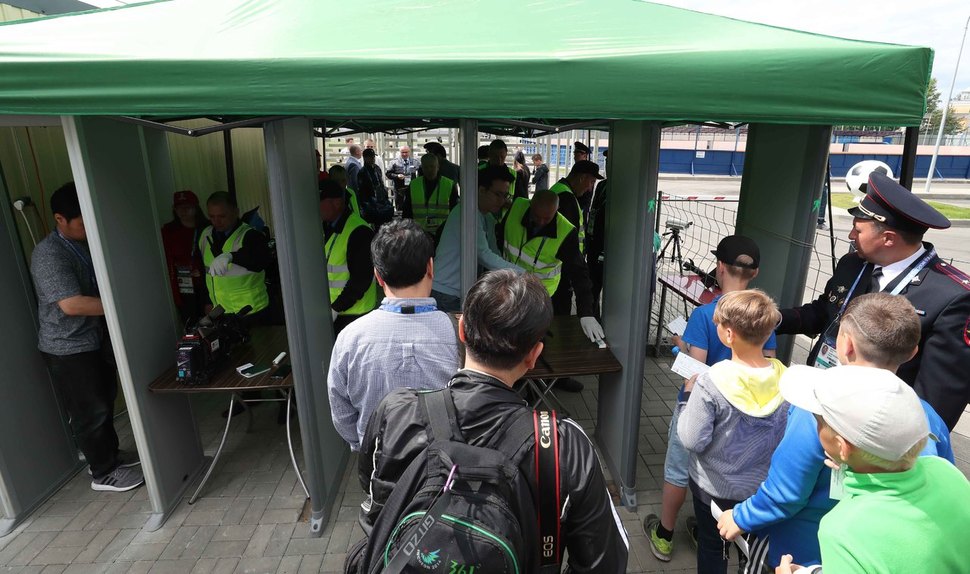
x: 292, y: 64
x: 592, y: 59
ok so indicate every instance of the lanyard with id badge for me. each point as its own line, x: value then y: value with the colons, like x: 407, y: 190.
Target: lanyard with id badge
x: 827, y: 356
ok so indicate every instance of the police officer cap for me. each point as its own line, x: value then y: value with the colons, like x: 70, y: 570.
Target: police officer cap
x: 581, y: 147
x: 892, y: 204
x: 586, y: 167
x: 435, y: 148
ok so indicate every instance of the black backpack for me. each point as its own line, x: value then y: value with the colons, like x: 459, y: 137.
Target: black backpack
x: 462, y: 509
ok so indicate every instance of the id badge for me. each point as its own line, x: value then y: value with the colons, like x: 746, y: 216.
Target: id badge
x: 827, y: 356
x: 837, y: 483
x: 183, y: 276
x: 407, y: 180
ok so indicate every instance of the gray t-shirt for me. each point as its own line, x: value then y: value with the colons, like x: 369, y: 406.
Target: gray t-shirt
x: 61, y: 268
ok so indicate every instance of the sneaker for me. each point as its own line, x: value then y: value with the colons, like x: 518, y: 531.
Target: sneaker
x: 119, y: 480
x: 568, y: 385
x: 125, y: 459
x: 692, y: 531
x: 661, y: 548
x: 821, y: 225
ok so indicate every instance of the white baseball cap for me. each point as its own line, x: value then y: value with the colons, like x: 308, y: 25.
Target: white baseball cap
x: 871, y: 408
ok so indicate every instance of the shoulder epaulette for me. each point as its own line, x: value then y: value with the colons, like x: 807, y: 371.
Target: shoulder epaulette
x: 958, y: 277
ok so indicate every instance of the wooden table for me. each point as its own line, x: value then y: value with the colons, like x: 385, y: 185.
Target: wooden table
x: 567, y: 352
x: 266, y: 342
x: 690, y: 288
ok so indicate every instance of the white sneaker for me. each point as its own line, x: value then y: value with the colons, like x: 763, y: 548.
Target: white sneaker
x: 121, y: 479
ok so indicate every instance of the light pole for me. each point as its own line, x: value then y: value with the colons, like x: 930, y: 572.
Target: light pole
x: 946, y: 108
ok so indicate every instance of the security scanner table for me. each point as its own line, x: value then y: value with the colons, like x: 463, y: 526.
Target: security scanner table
x: 567, y: 352
x: 266, y: 342
x: 690, y: 288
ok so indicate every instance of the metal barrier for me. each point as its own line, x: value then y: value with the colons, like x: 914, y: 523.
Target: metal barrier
x: 690, y: 228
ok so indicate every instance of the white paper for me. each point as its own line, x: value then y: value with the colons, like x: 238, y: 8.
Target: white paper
x: 677, y: 326
x: 687, y: 366
x: 716, y: 512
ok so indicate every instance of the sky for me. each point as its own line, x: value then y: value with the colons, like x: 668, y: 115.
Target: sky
x: 936, y: 24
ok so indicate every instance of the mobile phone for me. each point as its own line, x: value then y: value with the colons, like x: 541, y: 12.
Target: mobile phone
x: 281, y: 372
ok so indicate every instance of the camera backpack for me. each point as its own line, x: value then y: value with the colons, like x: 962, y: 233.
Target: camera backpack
x: 463, y: 509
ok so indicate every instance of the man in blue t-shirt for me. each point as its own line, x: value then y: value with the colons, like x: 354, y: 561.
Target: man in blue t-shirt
x: 738, y: 259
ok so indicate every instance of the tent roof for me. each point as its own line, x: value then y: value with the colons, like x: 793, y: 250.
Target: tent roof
x: 575, y: 60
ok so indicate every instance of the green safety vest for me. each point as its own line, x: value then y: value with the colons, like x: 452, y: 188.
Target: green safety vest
x: 561, y: 189
x: 239, y: 286
x: 536, y: 255
x: 430, y: 213
x: 338, y: 273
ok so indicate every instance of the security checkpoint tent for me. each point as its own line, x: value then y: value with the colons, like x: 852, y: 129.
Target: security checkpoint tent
x: 284, y: 63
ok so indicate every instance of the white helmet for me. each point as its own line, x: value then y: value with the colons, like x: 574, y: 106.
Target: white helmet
x: 857, y: 178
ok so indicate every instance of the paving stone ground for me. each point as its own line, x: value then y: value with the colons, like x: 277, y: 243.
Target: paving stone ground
x: 247, y: 519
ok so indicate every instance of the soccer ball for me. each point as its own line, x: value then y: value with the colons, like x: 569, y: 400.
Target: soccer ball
x: 857, y: 178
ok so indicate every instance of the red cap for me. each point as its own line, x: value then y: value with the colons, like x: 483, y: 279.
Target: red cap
x: 185, y: 197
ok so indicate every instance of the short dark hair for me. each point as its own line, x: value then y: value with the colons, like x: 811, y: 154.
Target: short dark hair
x: 64, y: 202
x: 222, y: 198
x: 369, y: 152
x: 490, y: 173
x: 908, y: 237
x: 504, y: 315
x: 483, y: 152
x: 498, y: 144
x: 884, y: 327
x: 401, y: 251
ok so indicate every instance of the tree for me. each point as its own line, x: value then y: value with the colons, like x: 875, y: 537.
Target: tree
x: 931, y: 121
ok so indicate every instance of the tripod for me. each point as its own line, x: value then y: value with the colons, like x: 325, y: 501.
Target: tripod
x: 675, y: 255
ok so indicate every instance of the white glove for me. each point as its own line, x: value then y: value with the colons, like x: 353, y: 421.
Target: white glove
x: 592, y: 328
x: 220, y: 265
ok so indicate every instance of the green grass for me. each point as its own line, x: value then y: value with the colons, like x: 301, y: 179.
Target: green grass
x: 844, y: 201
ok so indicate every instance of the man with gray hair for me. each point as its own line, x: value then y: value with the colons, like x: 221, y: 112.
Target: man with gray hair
x: 898, y: 512
x: 505, y: 317
x: 400, y: 173
x: 355, y: 161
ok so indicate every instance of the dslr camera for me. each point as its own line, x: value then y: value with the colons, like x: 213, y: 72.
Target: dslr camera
x: 206, y: 345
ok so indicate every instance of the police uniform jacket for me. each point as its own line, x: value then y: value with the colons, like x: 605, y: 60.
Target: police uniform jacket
x: 941, y: 295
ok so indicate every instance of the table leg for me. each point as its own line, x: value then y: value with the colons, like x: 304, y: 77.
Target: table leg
x: 215, y: 457
x: 548, y: 396
x: 289, y: 440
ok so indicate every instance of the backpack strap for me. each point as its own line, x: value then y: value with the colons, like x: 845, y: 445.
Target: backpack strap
x: 439, y: 410
x: 549, y: 501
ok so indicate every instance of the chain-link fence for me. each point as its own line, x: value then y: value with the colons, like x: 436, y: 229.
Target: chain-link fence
x: 690, y: 228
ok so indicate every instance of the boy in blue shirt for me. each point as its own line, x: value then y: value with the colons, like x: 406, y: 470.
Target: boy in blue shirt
x: 878, y: 330
x: 738, y: 259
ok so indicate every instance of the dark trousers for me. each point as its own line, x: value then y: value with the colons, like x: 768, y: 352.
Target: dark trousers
x: 87, y: 387
x: 596, y: 276
x: 562, y: 300
x: 342, y: 321
x: 711, y: 548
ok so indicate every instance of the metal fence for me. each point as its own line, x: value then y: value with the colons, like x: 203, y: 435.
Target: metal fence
x: 690, y: 228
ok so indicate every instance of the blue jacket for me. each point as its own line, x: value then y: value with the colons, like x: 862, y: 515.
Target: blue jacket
x: 791, y: 502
